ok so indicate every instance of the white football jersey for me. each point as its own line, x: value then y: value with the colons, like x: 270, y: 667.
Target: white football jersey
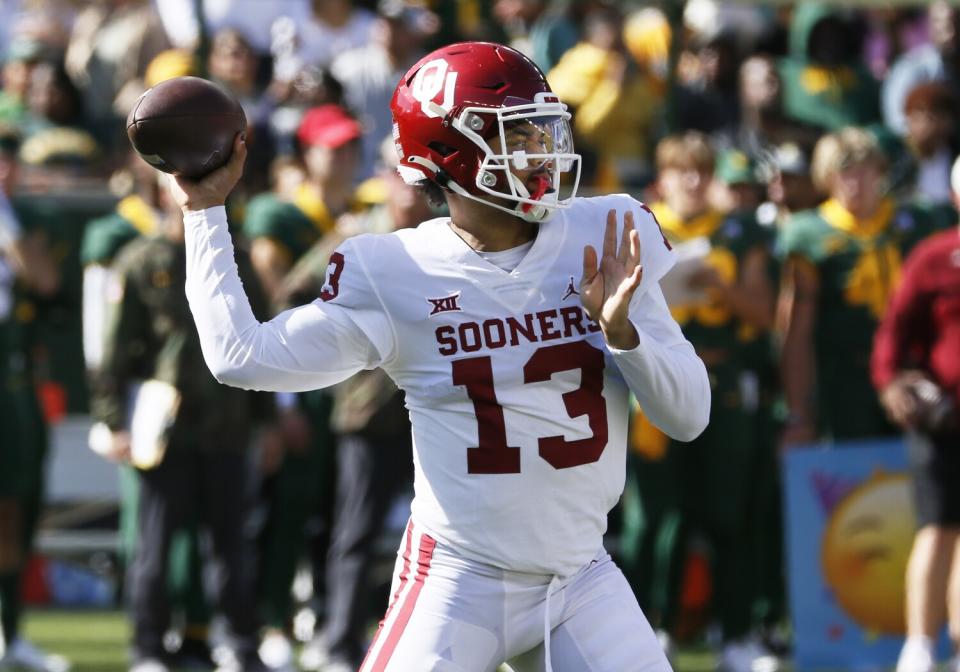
x: 519, y: 409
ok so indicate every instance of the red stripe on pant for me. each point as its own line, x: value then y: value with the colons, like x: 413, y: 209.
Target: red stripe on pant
x: 425, y: 555
x: 404, y: 572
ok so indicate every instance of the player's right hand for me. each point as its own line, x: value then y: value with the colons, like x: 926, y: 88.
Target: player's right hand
x: 898, y: 399
x: 211, y: 190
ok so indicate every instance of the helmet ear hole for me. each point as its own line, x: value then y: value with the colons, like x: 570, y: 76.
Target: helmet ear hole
x: 441, y: 149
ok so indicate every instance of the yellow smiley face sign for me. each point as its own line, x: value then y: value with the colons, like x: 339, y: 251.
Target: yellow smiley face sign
x: 866, y: 544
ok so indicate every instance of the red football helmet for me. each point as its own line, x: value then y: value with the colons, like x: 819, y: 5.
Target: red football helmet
x: 469, y: 115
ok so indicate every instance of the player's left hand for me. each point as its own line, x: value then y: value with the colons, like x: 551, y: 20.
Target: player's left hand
x: 606, y: 289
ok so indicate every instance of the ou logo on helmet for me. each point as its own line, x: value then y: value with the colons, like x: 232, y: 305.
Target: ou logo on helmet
x: 430, y: 80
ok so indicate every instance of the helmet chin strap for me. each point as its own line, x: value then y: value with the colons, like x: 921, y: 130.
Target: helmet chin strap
x: 525, y: 211
x: 529, y: 211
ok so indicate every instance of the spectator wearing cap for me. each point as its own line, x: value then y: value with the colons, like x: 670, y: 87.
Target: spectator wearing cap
x: 370, y: 73
x: 841, y: 263
x: 22, y: 56
x: 916, y: 369
x: 736, y: 187
x: 931, y: 137
x: 706, y: 487
x: 299, y: 474
x: 786, y: 172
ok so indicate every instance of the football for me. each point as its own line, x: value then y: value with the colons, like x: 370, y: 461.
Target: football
x: 185, y: 126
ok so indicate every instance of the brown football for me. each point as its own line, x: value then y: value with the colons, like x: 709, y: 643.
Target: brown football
x: 185, y: 126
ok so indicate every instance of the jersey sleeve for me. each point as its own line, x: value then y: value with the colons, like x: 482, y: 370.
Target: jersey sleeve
x: 656, y: 255
x: 905, y: 323
x: 304, y: 348
x: 664, y: 372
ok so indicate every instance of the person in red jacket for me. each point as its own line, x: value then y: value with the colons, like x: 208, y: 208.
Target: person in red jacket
x: 916, y: 369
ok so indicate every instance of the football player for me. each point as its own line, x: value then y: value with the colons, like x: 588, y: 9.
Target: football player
x: 517, y: 387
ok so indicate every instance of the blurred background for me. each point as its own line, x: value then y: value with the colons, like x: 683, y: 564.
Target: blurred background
x: 793, y: 153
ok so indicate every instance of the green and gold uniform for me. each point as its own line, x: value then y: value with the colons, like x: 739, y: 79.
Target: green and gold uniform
x: 857, y: 265
x: 294, y: 225
x: 707, y: 486
x: 304, y: 485
x: 103, y: 239
x: 23, y: 449
x: 151, y: 336
x: 58, y: 339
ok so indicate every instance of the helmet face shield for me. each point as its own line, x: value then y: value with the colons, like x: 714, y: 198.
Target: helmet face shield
x: 526, y: 157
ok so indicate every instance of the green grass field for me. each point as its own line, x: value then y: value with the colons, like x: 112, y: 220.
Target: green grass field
x: 96, y: 641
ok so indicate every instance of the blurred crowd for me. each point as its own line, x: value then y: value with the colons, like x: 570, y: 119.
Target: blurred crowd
x: 792, y: 154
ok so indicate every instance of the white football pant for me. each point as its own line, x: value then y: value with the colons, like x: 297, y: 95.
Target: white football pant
x: 451, y: 614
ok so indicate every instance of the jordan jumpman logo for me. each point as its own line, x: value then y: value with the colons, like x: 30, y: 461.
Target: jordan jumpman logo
x: 571, y: 290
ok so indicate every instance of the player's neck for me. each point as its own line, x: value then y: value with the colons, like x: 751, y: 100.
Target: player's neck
x: 487, y: 229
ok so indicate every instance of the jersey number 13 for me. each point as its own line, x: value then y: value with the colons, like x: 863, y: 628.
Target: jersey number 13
x: 493, y: 455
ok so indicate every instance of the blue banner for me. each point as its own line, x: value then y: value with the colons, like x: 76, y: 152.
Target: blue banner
x: 850, y: 524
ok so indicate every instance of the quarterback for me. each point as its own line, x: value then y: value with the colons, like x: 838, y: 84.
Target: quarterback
x: 518, y: 327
